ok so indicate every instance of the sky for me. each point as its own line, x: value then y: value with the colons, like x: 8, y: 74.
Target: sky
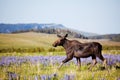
x: 96, y: 16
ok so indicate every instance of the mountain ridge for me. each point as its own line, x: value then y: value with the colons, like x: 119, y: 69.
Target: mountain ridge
x: 52, y: 28
x: 11, y: 28
x: 113, y: 37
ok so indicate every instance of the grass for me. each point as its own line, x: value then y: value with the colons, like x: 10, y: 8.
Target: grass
x: 33, y: 54
x: 46, y: 53
x: 39, y: 42
x: 26, y: 40
x: 111, y: 51
x: 33, y: 40
x: 29, y: 71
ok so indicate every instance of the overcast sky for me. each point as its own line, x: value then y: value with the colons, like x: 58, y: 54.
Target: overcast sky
x: 96, y: 16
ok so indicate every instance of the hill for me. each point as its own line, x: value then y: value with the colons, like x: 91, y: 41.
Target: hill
x: 54, y: 29
x: 39, y: 40
x: 26, y: 40
x: 10, y: 28
x: 44, y: 28
x: 113, y: 37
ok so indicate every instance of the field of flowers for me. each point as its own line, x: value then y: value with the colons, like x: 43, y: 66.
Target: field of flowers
x: 30, y: 56
x: 45, y: 68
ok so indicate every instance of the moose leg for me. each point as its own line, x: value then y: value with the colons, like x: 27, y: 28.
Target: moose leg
x: 64, y: 61
x: 78, y: 63
x: 94, y: 61
x: 103, y: 59
x: 60, y: 65
x: 105, y: 63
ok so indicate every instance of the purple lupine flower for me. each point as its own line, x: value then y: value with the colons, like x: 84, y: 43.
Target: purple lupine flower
x: 43, y: 77
x: 46, y: 60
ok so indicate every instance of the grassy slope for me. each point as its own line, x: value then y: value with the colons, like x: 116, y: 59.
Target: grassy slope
x: 26, y: 40
x: 31, y: 39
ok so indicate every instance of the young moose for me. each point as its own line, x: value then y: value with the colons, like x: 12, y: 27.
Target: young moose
x: 79, y: 50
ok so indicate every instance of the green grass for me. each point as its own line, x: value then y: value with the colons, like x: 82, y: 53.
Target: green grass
x: 32, y: 42
x: 111, y: 51
x: 33, y: 54
x: 26, y: 40
x: 42, y: 40
x: 46, y: 53
x: 29, y: 71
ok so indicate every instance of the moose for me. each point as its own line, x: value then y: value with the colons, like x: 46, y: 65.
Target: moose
x: 79, y: 50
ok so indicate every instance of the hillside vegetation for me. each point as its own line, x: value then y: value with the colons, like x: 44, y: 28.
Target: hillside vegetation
x: 113, y: 37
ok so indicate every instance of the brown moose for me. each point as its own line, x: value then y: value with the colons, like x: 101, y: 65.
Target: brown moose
x: 79, y: 50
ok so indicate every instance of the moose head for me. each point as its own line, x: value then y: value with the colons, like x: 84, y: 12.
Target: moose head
x: 60, y: 41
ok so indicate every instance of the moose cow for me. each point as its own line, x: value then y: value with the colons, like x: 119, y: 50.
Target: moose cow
x: 79, y: 50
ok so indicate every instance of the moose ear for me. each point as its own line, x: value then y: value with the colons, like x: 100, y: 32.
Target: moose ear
x: 59, y: 36
x: 65, y: 35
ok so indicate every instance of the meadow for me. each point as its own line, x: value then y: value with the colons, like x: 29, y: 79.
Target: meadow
x: 45, y: 68
x: 43, y: 42
x: 30, y: 56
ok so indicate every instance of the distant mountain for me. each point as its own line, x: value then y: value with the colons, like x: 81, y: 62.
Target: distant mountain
x: 113, y: 37
x: 9, y: 28
x: 87, y: 34
x: 54, y: 29
x: 45, y: 28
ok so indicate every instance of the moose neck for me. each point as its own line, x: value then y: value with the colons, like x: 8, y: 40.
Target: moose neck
x: 66, y: 44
